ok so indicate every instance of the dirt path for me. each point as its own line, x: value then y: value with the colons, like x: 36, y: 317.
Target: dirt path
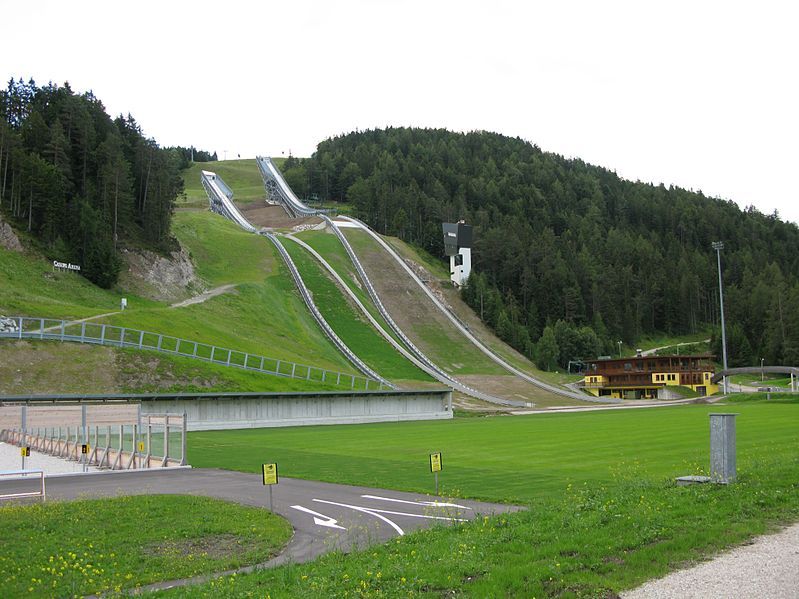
x: 205, y: 295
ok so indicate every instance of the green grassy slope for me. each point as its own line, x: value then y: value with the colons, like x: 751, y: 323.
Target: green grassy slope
x: 52, y: 367
x: 264, y: 315
x: 349, y: 324
x: 242, y: 176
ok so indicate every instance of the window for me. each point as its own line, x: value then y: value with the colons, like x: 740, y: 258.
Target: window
x: 628, y: 366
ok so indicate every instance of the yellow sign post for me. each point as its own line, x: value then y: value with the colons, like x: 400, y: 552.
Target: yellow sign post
x: 270, y: 478
x: 25, y: 451
x: 141, y: 446
x: 436, y: 465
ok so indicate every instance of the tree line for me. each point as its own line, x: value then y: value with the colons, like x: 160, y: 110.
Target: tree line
x: 82, y: 183
x: 569, y: 258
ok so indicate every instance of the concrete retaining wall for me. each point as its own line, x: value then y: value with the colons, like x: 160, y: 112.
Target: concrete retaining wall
x: 228, y: 411
x: 216, y: 411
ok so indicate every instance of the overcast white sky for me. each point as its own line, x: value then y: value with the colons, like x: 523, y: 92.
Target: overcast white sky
x: 704, y: 95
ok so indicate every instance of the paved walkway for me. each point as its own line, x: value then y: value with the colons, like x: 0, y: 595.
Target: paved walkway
x: 325, y: 516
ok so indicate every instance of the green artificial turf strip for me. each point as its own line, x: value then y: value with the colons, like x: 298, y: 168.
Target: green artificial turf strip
x: 65, y: 549
x: 352, y: 327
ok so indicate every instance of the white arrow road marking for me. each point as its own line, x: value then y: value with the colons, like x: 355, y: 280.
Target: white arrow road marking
x: 430, y: 503
x: 320, y: 519
x: 367, y: 511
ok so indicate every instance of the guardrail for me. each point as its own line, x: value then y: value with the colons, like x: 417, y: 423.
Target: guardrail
x: 22, y: 474
x: 114, y: 336
x: 279, y: 191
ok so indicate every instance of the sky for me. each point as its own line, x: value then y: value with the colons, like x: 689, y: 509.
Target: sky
x: 703, y: 95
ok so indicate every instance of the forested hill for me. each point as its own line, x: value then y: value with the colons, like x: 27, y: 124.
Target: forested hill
x: 568, y: 256
x: 80, y: 182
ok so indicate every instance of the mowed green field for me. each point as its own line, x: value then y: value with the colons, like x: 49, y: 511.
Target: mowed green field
x: 242, y: 176
x: 513, y: 459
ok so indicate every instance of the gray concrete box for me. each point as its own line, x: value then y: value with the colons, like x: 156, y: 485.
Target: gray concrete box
x: 722, y: 448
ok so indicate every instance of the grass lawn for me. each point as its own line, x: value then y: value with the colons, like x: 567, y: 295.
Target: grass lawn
x: 242, y: 176
x: 349, y: 324
x: 66, y: 549
x: 604, y: 513
x: 516, y: 459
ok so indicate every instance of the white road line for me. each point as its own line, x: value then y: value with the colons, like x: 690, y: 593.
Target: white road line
x: 426, y: 503
x: 320, y: 519
x: 367, y: 511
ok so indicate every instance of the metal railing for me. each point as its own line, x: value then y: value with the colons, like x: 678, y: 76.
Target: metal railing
x: 115, y: 336
x: 277, y: 190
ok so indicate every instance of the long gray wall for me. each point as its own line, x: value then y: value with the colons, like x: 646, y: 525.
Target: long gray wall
x: 302, y: 409
x: 218, y: 411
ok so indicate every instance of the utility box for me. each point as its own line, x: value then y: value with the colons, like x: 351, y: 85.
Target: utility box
x: 722, y: 448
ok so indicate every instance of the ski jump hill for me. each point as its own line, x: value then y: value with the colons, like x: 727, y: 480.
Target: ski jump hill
x: 405, y: 311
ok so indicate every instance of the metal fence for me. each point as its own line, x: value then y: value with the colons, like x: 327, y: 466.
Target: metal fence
x: 108, y: 436
x: 20, y: 327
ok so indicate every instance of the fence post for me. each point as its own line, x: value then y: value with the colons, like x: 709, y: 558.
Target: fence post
x: 83, y: 332
x: 183, y: 441
x: 213, y: 348
x: 102, y: 334
x: 122, y: 337
x: 166, y: 440
x: 277, y: 365
x: 63, y: 325
x: 293, y: 368
x: 41, y: 328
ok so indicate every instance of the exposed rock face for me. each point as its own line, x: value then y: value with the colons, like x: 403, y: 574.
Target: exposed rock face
x: 166, y: 279
x: 8, y: 239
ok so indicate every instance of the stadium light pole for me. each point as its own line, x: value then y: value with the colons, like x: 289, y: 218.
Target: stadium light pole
x: 718, y: 246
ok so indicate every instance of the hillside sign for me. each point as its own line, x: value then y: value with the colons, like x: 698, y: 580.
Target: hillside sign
x: 65, y: 266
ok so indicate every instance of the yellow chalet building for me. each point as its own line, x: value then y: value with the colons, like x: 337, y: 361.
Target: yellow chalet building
x: 649, y: 377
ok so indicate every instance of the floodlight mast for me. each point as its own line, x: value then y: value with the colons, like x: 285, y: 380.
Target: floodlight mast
x: 718, y: 246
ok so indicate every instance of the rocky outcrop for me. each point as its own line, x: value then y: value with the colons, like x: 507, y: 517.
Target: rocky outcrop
x: 164, y: 278
x: 8, y: 239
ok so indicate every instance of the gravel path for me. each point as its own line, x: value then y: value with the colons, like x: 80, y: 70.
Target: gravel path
x: 768, y: 567
x: 10, y: 459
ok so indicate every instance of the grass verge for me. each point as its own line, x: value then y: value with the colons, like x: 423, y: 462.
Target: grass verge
x: 68, y: 549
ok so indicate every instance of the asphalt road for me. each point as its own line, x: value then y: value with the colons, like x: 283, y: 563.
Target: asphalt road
x: 325, y: 516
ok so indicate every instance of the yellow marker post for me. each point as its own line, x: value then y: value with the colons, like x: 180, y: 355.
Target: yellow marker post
x: 26, y: 453
x: 270, y: 478
x: 141, y: 446
x: 436, y: 465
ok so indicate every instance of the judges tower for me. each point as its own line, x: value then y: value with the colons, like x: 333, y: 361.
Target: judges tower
x: 458, y: 246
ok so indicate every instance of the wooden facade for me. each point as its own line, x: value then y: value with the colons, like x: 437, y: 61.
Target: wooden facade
x: 643, y: 376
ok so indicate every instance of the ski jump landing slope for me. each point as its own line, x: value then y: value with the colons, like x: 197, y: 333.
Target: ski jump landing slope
x: 436, y: 330
x: 470, y: 366
x: 220, y: 197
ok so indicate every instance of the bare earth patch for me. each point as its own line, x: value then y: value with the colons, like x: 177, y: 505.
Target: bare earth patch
x: 213, y: 546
